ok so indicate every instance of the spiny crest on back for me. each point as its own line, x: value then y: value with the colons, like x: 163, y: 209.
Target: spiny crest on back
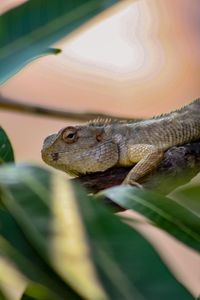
x: 180, y: 110
x: 110, y: 121
x: 100, y: 122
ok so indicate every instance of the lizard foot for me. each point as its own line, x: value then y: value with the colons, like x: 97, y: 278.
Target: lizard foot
x: 132, y: 183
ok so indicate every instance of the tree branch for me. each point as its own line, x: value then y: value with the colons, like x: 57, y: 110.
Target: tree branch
x: 22, y: 107
x: 179, y: 166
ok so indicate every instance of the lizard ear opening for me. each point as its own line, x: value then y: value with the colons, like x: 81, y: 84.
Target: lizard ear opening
x: 99, y: 137
x: 69, y: 135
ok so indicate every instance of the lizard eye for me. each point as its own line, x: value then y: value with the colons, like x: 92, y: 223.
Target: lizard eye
x: 69, y: 135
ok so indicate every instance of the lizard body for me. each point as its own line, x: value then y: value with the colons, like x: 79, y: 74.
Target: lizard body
x: 100, y: 145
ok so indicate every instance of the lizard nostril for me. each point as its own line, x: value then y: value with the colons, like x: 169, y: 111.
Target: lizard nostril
x: 55, y: 156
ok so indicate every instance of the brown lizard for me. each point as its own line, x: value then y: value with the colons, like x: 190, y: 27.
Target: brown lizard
x: 102, y: 144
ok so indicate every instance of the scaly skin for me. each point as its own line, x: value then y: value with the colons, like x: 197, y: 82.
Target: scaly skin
x: 102, y: 144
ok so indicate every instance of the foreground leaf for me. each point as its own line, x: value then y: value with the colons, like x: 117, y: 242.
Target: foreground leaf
x: 29, y: 29
x: 15, y: 247
x: 12, y: 281
x: 37, y: 292
x: 59, y: 219
x: 2, y: 296
x: 190, y: 198
x: 6, y: 150
x: 12, y: 70
x: 59, y: 238
x: 167, y: 214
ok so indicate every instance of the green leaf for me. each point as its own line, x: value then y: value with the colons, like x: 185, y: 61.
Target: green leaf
x: 89, y: 247
x: 167, y: 214
x: 16, y: 68
x: 37, y: 292
x: 15, y: 246
x: 2, y: 296
x: 189, y: 197
x: 6, y: 151
x: 29, y: 29
x: 12, y: 281
x: 39, y: 213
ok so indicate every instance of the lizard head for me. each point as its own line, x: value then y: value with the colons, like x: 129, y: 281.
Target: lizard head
x: 80, y: 149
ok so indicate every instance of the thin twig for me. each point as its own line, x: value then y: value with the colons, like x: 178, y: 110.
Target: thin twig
x: 22, y: 107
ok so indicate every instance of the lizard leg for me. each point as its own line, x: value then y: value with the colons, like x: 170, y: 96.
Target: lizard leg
x: 146, y: 157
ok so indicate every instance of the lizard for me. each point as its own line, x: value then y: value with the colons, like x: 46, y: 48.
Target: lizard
x: 102, y: 144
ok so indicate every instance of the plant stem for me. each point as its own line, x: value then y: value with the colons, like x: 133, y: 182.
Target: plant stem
x: 22, y: 107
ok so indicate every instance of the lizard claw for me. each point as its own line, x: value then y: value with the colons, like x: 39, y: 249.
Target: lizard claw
x: 136, y: 184
x: 133, y: 183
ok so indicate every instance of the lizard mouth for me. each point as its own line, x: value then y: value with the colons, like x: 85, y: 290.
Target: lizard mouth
x: 55, y: 156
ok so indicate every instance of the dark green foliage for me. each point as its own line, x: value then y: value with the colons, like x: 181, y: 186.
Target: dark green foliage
x: 120, y: 257
x: 190, y: 198
x: 38, y: 292
x: 15, y: 246
x: 6, y: 150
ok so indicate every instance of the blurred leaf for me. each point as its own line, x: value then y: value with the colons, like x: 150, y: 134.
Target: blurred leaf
x: 58, y: 237
x: 15, y: 246
x: 190, y: 198
x: 164, y: 212
x: 37, y: 292
x: 6, y: 151
x: 59, y: 219
x: 12, y: 281
x: 2, y: 296
x: 27, y: 30
x: 14, y: 69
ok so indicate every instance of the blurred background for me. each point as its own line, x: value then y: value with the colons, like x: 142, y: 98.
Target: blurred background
x: 137, y: 59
